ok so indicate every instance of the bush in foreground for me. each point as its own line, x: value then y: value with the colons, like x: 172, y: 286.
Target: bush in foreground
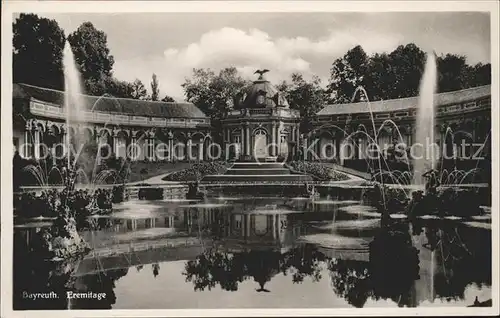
x: 318, y: 170
x: 198, y: 171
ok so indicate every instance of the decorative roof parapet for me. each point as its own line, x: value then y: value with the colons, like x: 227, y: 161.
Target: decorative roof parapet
x: 109, y: 104
x: 441, y: 99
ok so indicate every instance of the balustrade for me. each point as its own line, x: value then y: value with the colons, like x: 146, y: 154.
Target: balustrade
x: 55, y: 112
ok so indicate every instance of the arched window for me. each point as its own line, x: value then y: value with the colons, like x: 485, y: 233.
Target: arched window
x: 259, y: 132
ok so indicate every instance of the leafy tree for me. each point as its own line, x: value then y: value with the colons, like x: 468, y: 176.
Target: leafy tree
x: 119, y: 88
x: 407, y: 64
x: 306, y: 96
x: 138, y: 90
x: 453, y: 72
x: 213, y: 93
x: 37, y: 54
x: 109, y: 85
x: 479, y: 74
x: 155, y: 91
x: 379, y: 78
x: 168, y: 99
x: 398, y: 74
x: 347, y: 73
x: 90, y: 48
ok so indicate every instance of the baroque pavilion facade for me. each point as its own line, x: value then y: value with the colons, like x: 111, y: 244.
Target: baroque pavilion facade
x: 260, y: 125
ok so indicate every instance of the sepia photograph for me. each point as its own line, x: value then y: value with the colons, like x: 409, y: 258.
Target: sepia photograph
x: 191, y: 158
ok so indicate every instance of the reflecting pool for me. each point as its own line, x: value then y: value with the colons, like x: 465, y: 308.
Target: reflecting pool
x: 261, y: 252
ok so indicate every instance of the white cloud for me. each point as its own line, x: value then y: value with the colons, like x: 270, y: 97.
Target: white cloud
x: 248, y: 51
x: 252, y: 49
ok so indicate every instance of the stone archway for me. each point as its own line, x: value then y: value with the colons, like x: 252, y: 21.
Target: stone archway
x: 236, y: 146
x: 121, y: 142
x: 260, y: 143
x: 284, y: 147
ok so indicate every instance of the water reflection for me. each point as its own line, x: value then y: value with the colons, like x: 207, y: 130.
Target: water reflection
x: 228, y: 269
x: 261, y: 244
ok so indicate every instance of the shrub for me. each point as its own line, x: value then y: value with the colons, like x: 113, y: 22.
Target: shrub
x: 459, y: 202
x: 197, y: 171
x: 318, y: 170
x: 119, y: 194
x: 78, y: 203
x: 150, y: 194
x: 450, y: 201
x: 386, y: 199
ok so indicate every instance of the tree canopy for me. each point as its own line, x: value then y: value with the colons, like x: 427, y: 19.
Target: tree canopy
x: 37, y: 60
x: 138, y: 90
x: 397, y: 74
x: 37, y: 54
x: 168, y: 99
x: 213, y: 93
x: 306, y: 96
x: 155, y: 89
x: 90, y: 48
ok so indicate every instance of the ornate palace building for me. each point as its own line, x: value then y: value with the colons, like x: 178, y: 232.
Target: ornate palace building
x: 39, y: 119
x: 461, y: 116
x: 261, y: 124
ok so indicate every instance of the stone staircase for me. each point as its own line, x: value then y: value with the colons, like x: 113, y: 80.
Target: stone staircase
x: 257, y: 172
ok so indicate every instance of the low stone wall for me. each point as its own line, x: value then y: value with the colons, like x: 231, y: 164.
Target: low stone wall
x: 170, y: 191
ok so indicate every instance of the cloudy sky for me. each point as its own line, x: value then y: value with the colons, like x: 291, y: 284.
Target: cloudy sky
x: 172, y: 44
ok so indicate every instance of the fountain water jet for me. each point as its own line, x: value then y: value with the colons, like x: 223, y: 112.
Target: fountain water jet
x: 73, y: 97
x: 425, y: 121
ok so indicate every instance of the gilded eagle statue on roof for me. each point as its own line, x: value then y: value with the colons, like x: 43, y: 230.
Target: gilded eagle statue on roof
x: 261, y: 73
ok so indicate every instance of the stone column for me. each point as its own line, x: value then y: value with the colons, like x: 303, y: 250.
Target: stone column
x: 36, y: 132
x: 145, y: 146
x: 152, y: 148
x: 200, y: 150
x: 189, y: 148
x: 151, y: 145
x: 170, y: 145
x: 247, y: 141
x: 410, y: 136
x: 342, y: 150
x: 248, y: 223
x: 64, y: 140
x: 274, y: 226
x: 361, y: 148
x: 278, y: 139
x: 133, y: 143
x: 242, y: 141
x: 115, y: 144
x: 305, y: 155
x: 296, y: 137
x: 273, y: 139
x: 27, y: 143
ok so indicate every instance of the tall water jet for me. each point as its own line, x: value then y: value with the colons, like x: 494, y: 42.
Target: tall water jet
x: 425, y: 122
x: 73, y: 97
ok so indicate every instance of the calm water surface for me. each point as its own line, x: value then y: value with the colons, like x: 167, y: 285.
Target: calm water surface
x: 263, y: 252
